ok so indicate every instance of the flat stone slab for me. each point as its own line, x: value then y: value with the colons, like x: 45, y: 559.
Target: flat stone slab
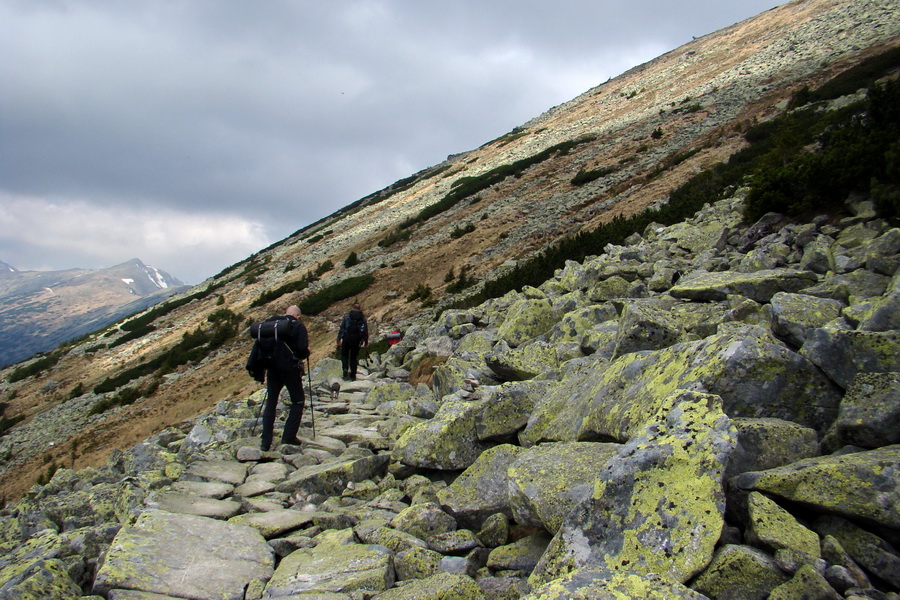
x: 225, y: 471
x: 185, y: 556
x: 333, y: 567
x: 190, y: 504
x: 207, y: 489
x: 275, y: 523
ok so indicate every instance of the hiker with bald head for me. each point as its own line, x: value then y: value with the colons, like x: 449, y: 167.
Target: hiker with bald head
x: 282, y: 343
x: 354, y: 332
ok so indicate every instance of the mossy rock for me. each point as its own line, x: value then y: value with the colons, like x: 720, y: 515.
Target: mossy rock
x: 526, y: 320
x: 740, y: 573
x: 443, y: 586
x: 447, y: 442
x: 658, y: 505
x: 599, y: 584
x: 857, y: 485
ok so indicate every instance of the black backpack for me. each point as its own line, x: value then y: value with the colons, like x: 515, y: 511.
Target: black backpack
x: 356, y: 330
x: 272, y: 346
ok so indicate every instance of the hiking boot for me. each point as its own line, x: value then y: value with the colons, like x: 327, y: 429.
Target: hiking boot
x: 294, y: 441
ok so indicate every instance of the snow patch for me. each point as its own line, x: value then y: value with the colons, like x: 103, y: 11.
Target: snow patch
x: 128, y: 281
x: 157, y: 277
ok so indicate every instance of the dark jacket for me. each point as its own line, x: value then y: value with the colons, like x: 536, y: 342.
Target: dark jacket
x: 354, y: 328
x: 283, y: 352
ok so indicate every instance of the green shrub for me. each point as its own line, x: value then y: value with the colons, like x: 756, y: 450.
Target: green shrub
x: 587, y: 176
x: 321, y: 300
x: 399, y: 235
x: 458, y: 231
x: 351, y: 260
x: 36, y: 367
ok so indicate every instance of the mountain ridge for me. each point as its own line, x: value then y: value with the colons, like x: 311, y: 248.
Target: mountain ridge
x: 42, y: 309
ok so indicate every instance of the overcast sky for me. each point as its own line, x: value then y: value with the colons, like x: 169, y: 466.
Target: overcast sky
x: 193, y: 133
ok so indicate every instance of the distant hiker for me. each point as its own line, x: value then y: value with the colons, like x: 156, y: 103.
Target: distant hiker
x: 395, y: 337
x: 282, y: 343
x: 354, y: 331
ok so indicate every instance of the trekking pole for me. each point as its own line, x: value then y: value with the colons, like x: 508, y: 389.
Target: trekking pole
x: 312, y: 408
x: 259, y: 414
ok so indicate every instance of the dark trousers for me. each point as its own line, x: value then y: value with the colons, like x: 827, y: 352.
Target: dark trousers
x: 275, y: 380
x: 350, y: 358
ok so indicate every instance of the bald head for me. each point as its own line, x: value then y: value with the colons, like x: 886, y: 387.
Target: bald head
x: 293, y: 311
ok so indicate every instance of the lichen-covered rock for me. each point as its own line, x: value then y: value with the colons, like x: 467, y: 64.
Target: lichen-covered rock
x: 843, y: 354
x: 648, y: 325
x: 774, y: 528
x: 416, y: 563
x: 869, y: 414
x: 796, y: 314
x: 507, y: 408
x: 740, y: 573
x: 424, y: 521
x: 391, y: 392
x: 658, y: 504
x: 494, y: 531
x: 573, y: 325
x: 521, y: 555
x: 863, y: 485
x: 443, y: 586
x: 331, y: 478
x: 333, y: 567
x: 446, y: 442
x: 874, y: 554
x: 185, y: 555
x: 524, y: 362
x: 482, y: 489
x: 526, y: 320
x: 755, y: 375
x: 547, y: 480
x: 274, y: 523
x: 759, y: 285
x: 806, y: 583
x: 599, y: 584
x: 768, y: 443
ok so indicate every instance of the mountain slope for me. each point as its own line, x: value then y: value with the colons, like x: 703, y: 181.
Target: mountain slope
x: 41, y: 309
x: 643, y: 134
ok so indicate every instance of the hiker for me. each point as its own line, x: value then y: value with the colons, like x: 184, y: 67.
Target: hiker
x: 395, y: 337
x: 354, y: 331
x: 289, y: 345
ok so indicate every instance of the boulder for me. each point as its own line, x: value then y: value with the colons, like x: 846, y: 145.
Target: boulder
x: 740, y: 573
x: 861, y: 485
x: 424, y: 521
x: 507, y: 408
x: 525, y: 362
x: 658, y: 504
x: 185, y: 556
x: 332, y: 567
x: 874, y: 554
x: 611, y: 403
x: 482, y: 489
x: 442, y: 586
x: 526, y: 320
x: 794, y: 315
x: 599, y: 584
x: 760, y: 286
x: 521, y: 555
x: 446, y: 442
x: 331, y: 478
x: 547, y: 480
x: 768, y: 443
x: 806, y: 583
x: 774, y: 528
x: 869, y: 415
x: 843, y: 354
